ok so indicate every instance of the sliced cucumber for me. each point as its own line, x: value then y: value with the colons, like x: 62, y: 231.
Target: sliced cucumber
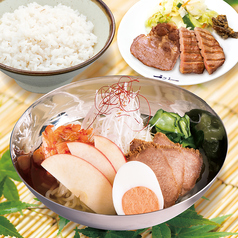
x: 191, y: 21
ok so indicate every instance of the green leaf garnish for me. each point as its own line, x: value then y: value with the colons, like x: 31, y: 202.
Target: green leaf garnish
x: 7, y: 168
x: 8, y: 172
x: 2, y: 185
x: 97, y: 233
x: 62, y: 223
x: 7, y: 228
x: 14, y: 206
x: 10, y: 191
x: 190, y: 218
x: 161, y: 231
x: 202, y: 229
x: 199, y: 227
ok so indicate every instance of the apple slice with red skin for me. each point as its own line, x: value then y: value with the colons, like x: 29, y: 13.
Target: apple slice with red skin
x: 110, y: 150
x: 94, y: 157
x: 83, y: 180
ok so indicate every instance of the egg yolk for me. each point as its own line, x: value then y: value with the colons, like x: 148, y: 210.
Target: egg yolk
x: 139, y: 200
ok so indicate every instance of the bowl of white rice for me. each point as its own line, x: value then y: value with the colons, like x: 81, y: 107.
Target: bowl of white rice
x: 45, y: 44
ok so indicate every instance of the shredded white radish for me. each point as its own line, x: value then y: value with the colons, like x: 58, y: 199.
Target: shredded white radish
x: 120, y: 126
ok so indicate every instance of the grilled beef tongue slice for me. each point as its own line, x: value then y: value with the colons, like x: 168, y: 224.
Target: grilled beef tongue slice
x: 211, y: 51
x: 191, y: 60
x: 158, y: 49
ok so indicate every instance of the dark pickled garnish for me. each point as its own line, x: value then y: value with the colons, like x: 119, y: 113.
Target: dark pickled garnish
x: 220, y: 25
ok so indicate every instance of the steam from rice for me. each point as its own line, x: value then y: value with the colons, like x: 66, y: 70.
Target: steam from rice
x: 40, y: 38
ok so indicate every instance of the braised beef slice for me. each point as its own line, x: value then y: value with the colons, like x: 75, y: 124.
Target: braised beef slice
x: 192, y: 161
x: 161, y: 139
x: 176, y: 161
x: 136, y: 143
x: 192, y: 169
x: 173, y: 154
x: 172, y: 164
x: 153, y: 156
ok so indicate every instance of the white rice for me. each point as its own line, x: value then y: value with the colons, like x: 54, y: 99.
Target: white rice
x: 36, y: 37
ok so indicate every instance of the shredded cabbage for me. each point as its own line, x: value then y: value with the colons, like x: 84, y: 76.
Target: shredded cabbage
x: 196, y: 7
x: 174, y: 10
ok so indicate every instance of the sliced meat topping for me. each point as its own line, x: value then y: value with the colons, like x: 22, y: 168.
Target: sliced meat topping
x: 184, y: 163
x: 152, y: 155
x: 192, y: 161
x: 192, y: 169
x: 158, y: 49
x: 176, y: 161
x: 161, y: 139
x: 136, y: 143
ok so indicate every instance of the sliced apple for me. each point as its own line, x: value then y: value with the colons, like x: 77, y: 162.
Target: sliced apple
x: 94, y: 157
x: 110, y: 150
x: 83, y: 180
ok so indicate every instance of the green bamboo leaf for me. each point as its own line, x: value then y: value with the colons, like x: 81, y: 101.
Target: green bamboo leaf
x: 10, y: 191
x: 14, y: 206
x: 7, y: 168
x: 161, y: 231
x: 62, y: 223
x: 2, y: 186
x: 7, y: 228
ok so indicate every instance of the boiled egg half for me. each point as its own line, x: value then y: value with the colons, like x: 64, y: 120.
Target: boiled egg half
x: 136, y: 190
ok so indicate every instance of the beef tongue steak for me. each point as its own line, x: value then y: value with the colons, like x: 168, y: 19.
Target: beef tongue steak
x: 211, y: 50
x: 191, y: 60
x: 158, y: 49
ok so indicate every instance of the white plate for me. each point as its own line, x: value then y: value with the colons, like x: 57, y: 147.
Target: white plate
x: 133, y: 24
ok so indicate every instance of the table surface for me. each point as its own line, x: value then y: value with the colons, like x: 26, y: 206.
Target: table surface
x: 221, y: 94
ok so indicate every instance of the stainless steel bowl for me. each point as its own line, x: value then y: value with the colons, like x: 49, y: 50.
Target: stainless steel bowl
x: 61, y: 106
